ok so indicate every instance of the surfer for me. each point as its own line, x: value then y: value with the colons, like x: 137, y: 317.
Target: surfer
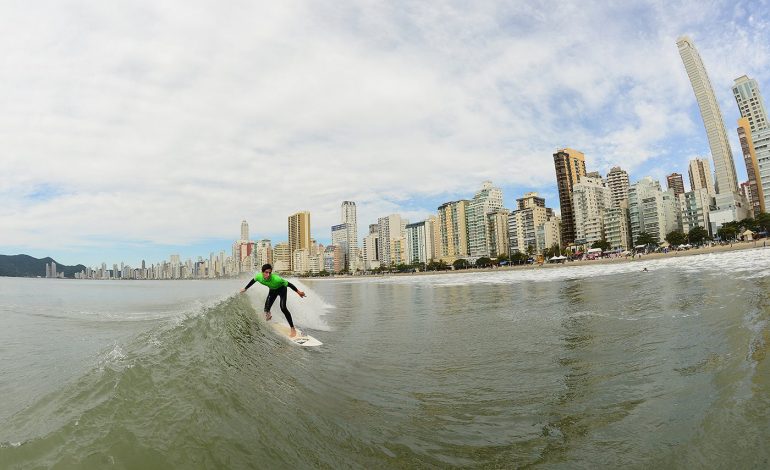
x: 277, y: 286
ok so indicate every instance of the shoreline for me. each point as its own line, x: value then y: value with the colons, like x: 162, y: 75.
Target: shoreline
x: 737, y: 246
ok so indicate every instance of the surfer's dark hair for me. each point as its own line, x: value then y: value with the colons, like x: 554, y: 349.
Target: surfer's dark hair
x: 265, y: 267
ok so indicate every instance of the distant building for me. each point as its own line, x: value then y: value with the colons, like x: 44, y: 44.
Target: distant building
x: 752, y: 110
x: 618, y: 184
x: 299, y: 233
x: 548, y: 234
x: 589, y: 200
x: 453, y: 230
x: 488, y: 199
x: 333, y: 259
x: 282, y: 257
x: 694, y: 210
x: 524, y: 221
x: 700, y: 175
x: 419, y: 243
x: 570, y: 165
x: 617, y: 231
x: 675, y: 183
x: 499, y: 234
x: 391, y: 227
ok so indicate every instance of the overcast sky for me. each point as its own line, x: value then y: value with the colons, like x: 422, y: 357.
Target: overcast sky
x: 133, y: 130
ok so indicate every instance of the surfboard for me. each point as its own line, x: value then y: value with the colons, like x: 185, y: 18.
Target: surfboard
x: 301, y: 339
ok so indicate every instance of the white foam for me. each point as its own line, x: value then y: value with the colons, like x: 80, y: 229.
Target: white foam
x: 307, y: 312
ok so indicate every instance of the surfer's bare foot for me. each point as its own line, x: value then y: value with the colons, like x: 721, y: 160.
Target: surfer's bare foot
x: 293, y: 333
x: 268, y: 316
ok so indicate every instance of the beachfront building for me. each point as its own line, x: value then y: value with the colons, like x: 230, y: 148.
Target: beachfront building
x: 754, y: 141
x: 333, y: 259
x: 618, y: 184
x: 548, y: 234
x: 700, y: 175
x: 570, y: 165
x: 646, y: 209
x: 762, y: 148
x: 617, y: 230
x: 419, y: 242
x: 263, y: 252
x: 432, y: 231
x: 399, y: 251
x: 351, y: 249
x: 694, y: 209
x: 453, y: 230
x: 589, y: 200
x: 301, y: 261
x: 753, y: 190
x: 524, y: 221
x: 391, y: 227
x: 488, y: 199
x: 724, y: 166
x: 281, y: 256
x: 675, y: 183
x: 750, y: 103
x: 299, y: 233
x: 371, y: 252
x: 499, y: 237
x: 341, y: 234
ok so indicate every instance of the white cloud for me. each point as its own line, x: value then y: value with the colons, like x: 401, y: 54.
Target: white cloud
x: 170, y: 122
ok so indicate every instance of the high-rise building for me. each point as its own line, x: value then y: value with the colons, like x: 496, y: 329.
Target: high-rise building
x: 333, y: 259
x: 675, y: 183
x: 244, y: 231
x: 589, y: 200
x: 264, y: 252
x: 650, y: 210
x: 499, y: 235
x: 548, y: 234
x: 371, y: 251
x: 453, y: 229
x: 419, y: 242
x: 299, y: 233
x: 618, y: 184
x: 390, y: 228
x: 617, y: 231
x: 694, y: 210
x: 700, y: 175
x: 488, y: 199
x: 756, y: 142
x: 750, y: 103
x: 724, y: 166
x: 433, y: 231
x: 570, y: 165
x: 341, y: 236
x: 281, y: 257
x: 524, y: 221
x: 755, y: 194
x: 348, y: 216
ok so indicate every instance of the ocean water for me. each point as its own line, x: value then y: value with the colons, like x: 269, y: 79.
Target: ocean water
x: 599, y: 366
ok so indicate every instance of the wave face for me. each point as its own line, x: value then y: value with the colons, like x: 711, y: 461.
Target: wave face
x: 597, y: 367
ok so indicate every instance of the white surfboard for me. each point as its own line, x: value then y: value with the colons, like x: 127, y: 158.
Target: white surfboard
x: 301, y: 339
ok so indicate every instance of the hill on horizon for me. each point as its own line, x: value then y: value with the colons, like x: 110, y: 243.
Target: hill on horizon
x: 28, y: 266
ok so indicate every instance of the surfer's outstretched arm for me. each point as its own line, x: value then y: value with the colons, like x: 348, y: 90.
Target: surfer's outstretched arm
x: 294, y: 288
x: 251, y: 283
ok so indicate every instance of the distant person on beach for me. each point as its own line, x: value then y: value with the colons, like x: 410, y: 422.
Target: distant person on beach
x: 277, y: 286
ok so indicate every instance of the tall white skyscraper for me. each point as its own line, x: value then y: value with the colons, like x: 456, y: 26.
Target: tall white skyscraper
x: 244, y: 231
x: 487, y: 200
x: 750, y: 102
x: 724, y: 165
x: 352, y: 251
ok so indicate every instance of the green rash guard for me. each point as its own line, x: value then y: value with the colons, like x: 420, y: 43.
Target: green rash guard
x: 273, y: 282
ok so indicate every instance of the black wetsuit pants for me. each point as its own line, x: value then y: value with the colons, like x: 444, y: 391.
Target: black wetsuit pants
x: 274, y: 294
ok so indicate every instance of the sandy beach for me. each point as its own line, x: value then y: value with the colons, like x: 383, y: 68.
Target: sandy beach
x: 621, y: 259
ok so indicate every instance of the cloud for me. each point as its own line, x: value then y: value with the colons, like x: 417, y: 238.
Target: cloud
x: 170, y: 122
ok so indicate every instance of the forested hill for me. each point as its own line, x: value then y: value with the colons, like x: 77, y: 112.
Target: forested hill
x: 27, y: 266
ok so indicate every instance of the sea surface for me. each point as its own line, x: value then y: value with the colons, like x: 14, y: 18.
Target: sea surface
x: 598, y: 366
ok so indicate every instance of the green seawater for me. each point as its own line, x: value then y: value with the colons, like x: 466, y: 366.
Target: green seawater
x: 577, y: 367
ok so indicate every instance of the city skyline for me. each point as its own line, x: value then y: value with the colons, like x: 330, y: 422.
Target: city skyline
x: 627, y: 103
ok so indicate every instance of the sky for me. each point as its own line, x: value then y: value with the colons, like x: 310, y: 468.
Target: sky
x: 132, y: 130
